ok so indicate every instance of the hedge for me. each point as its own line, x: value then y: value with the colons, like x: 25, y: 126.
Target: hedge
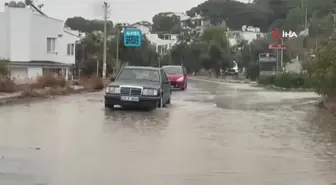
x: 286, y: 80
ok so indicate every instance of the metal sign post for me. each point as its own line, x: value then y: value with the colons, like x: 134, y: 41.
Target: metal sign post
x: 279, y: 49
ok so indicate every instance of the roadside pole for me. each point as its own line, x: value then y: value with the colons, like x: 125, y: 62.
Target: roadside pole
x: 182, y: 35
x: 281, y: 55
x: 116, y: 63
x: 97, y: 70
x: 106, y: 6
x: 277, y: 61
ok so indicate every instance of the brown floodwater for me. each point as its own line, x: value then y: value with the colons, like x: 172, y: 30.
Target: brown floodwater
x: 212, y: 134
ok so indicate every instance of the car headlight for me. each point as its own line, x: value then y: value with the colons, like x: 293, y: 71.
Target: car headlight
x: 113, y: 90
x: 150, y: 92
x: 180, y: 79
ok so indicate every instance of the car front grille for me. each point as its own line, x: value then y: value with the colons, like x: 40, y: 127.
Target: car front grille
x: 130, y: 91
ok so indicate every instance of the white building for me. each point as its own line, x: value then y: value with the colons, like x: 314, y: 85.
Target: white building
x: 35, y: 44
x: 248, y: 33
x: 162, y: 45
x: 196, y: 23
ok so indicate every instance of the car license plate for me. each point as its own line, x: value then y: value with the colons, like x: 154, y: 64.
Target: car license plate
x: 129, y: 98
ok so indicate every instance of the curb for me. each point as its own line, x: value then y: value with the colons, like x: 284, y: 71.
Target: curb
x: 223, y: 80
x: 17, y: 98
x: 275, y: 88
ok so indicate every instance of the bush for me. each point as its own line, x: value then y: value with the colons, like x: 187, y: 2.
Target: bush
x: 92, y: 83
x: 29, y: 92
x: 323, y: 69
x: 286, y: 80
x: 7, y: 85
x: 4, y: 71
x: 49, y: 81
x: 266, y: 79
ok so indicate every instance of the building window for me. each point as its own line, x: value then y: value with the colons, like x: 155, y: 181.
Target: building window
x: 51, y: 45
x: 70, y: 49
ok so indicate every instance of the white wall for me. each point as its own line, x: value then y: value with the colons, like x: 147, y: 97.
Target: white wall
x: 245, y: 35
x: 3, y: 37
x: 62, y: 55
x: 42, y: 28
x: 18, y: 25
x: 34, y: 72
x: 19, y: 75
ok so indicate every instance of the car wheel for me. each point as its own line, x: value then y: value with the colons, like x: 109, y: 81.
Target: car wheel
x: 161, y: 103
x: 151, y: 108
x: 184, y: 88
x: 168, y: 102
x: 109, y: 106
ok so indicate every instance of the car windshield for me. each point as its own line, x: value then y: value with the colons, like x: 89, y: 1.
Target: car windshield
x: 140, y: 74
x: 173, y: 70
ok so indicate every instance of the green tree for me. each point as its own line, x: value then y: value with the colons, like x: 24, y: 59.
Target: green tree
x: 324, y: 73
x: 166, y: 23
x: 210, y: 51
x: 86, y: 26
x: 294, y: 20
x: 4, y: 71
x: 235, y: 13
x: 92, y: 46
x: 321, y: 25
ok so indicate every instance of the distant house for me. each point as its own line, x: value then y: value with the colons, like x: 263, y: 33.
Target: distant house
x: 248, y: 33
x: 162, y: 45
x: 35, y: 44
x: 198, y: 23
x: 145, y: 29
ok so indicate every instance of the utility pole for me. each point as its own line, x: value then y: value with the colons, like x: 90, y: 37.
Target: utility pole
x: 106, y: 6
x: 170, y: 58
x: 116, y: 64
x: 97, y: 69
x: 182, y: 59
x: 306, y: 18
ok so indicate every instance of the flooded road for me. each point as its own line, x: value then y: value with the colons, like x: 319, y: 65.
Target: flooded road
x: 212, y: 134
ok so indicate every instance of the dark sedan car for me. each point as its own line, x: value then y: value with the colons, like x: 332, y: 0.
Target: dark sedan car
x: 134, y: 86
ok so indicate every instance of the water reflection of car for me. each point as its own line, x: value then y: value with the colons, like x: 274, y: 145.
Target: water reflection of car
x: 145, y: 87
x: 177, y: 76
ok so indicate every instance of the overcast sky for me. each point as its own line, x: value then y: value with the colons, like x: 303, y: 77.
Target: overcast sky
x: 120, y: 10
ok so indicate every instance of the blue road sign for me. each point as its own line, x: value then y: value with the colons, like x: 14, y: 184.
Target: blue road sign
x: 132, y: 37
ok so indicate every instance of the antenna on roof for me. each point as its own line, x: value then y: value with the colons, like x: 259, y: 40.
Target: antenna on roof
x: 31, y: 4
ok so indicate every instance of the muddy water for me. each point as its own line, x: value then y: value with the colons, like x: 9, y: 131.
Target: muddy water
x: 212, y: 134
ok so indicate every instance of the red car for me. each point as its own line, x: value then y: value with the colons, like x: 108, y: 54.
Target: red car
x: 177, y: 76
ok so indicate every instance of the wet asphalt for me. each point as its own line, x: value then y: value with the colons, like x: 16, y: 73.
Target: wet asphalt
x: 212, y: 134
